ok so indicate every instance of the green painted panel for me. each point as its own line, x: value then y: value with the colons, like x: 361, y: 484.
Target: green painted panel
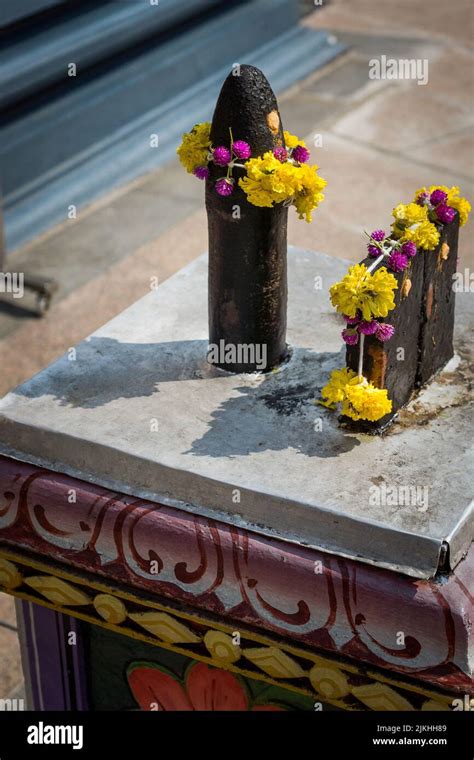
x: 129, y: 675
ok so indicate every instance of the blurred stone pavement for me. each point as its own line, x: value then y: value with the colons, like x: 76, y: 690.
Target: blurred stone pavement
x: 380, y: 141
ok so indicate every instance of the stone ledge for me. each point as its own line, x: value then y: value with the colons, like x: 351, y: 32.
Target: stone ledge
x: 312, y: 599
x: 92, y: 418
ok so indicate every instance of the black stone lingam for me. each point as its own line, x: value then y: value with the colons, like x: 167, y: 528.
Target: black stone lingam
x: 247, y: 244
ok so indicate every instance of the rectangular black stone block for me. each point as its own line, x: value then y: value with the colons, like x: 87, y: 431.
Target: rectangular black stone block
x: 423, y: 319
x: 394, y: 364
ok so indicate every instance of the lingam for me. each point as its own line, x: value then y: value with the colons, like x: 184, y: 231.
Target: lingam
x: 254, y: 171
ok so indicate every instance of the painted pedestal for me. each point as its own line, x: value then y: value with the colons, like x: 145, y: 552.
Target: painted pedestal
x: 182, y: 538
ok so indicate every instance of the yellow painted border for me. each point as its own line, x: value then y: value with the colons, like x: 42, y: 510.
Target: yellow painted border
x: 442, y: 698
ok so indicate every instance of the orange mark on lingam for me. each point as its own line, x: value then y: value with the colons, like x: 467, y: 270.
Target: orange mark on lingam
x: 273, y: 121
x: 442, y: 256
x: 444, y: 253
x: 378, y: 365
x: 406, y: 287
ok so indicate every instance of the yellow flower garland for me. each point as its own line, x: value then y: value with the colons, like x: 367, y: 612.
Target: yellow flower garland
x: 268, y: 179
x: 364, y: 295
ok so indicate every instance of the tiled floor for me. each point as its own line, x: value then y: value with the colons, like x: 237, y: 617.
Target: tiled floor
x: 380, y: 141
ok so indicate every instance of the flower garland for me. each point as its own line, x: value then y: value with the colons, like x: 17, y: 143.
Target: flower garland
x: 363, y: 296
x: 279, y: 176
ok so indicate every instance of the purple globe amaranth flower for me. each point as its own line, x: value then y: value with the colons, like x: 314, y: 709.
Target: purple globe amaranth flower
x: 384, y: 331
x: 438, y: 196
x: 201, y: 172
x: 221, y: 155
x: 353, y: 320
x: 378, y: 235
x: 241, y: 149
x: 422, y: 198
x: 281, y: 154
x: 445, y: 214
x: 224, y: 186
x: 397, y: 261
x: 373, y: 251
x: 368, y: 328
x: 409, y: 248
x: 300, y: 154
x: 351, y: 337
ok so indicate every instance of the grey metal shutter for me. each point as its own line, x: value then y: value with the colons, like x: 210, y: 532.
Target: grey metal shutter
x: 141, y: 68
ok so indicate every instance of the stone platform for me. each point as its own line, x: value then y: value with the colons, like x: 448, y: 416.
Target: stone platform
x: 136, y: 408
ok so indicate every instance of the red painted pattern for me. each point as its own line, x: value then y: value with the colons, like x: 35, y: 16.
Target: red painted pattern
x: 309, y: 597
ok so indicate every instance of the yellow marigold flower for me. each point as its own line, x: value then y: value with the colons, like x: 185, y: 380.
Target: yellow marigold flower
x: 371, y: 293
x: 256, y: 194
x: 309, y: 194
x: 406, y: 214
x: 424, y: 235
x: 195, y: 146
x: 257, y: 184
x: 270, y: 181
x: 333, y: 391
x: 291, y: 141
x: 365, y: 402
x: 462, y: 205
x: 275, y: 178
x: 256, y: 167
x: 412, y: 223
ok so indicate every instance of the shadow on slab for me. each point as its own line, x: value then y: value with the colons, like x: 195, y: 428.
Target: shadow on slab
x: 104, y: 369
x: 279, y: 413
x: 273, y: 412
